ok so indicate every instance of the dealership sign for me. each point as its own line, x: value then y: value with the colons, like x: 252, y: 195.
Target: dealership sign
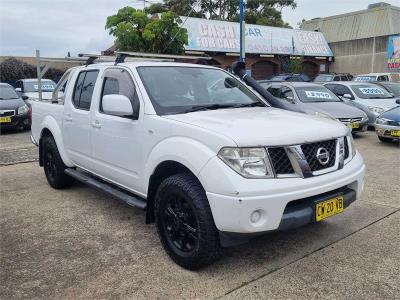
x: 393, y: 53
x: 221, y: 36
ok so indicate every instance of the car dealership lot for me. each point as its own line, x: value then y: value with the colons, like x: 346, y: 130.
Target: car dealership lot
x: 79, y: 243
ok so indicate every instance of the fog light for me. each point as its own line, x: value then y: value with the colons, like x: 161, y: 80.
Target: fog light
x: 255, y: 216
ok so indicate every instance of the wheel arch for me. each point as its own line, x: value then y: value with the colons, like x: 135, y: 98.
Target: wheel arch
x: 163, y: 170
x: 51, y: 128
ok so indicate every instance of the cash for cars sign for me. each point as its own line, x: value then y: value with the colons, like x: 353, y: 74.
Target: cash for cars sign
x: 393, y: 53
x: 221, y: 36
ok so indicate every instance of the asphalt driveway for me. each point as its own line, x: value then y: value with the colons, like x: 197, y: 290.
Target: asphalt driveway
x: 79, y: 243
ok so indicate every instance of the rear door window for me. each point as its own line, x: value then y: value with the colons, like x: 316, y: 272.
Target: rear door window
x: 84, y: 87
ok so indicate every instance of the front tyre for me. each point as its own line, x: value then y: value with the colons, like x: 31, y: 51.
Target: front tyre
x: 54, y: 166
x: 185, y: 224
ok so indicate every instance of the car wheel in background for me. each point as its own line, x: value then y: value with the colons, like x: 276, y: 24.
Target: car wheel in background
x: 185, y: 224
x: 54, y: 166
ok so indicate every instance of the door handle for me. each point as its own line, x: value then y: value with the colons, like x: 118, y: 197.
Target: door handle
x: 96, y: 124
x: 68, y: 118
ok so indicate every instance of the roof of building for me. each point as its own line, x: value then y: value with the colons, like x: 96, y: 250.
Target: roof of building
x: 367, y: 23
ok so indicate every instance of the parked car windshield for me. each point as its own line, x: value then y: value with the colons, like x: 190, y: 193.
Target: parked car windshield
x: 7, y: 92
x: 324, y: 78
x: 315, y: 94
x: 392, y: 87
x: 32, y: 86
x: 364, y: 78
x: 369, y: 91
x: 175, y: 90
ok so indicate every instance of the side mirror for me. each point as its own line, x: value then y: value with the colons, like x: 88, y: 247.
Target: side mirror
x: 117, y: 105
x: 18, y: 90
x: 290, y: 99
x: 230, y: 83
x: 398, y: 101
x: 25, y: 97
x: 347, y: 96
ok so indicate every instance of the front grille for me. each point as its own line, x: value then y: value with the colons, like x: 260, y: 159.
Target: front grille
x: 350, y: 120
x: 280, y: 161
x: 346, y: 148
x: 310, y: 152
x: 6, y: 113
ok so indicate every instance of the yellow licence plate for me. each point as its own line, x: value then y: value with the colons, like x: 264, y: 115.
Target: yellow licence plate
x: 395, y: 132
x: 5, y: 119
x: 329, y: 208
x: 355, y: 125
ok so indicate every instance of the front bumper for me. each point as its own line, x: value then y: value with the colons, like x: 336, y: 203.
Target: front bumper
x: 234, y: 199
x: 297, y: 213
x: 16, y: 121
x: 387, y: 131
x: 361, y: 126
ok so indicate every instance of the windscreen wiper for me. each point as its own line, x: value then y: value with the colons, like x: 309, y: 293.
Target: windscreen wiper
x: 254, y: 104
x: 209, y: 107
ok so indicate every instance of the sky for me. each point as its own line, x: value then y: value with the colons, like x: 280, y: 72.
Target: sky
x: 57, y: 27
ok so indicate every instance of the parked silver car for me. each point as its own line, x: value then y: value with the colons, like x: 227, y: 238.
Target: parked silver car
x: 369, y: 97
x: 315, y: 99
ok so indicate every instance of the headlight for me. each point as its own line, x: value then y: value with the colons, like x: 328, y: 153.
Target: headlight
x: 23, y: 109
x: 353, y: 147
x: 364, y: 116
x: 376, y: 110
x: 382, y: 121
x: 248, y: 162
x: 322, y: 115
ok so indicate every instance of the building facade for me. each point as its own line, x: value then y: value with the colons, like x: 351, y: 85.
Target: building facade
x: 359, y: 40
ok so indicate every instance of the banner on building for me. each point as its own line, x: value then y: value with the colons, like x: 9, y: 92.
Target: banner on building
x: 221, y: 36
x: 393, y: 53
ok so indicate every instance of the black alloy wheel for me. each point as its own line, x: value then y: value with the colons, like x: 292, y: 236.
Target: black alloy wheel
x: 185, y: 223
x: 180, y: 224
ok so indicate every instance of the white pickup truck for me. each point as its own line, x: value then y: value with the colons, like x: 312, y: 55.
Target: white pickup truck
x: 203, y: 153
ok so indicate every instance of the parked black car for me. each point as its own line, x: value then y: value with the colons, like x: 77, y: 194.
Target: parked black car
x: 390, y: 86
x: 333, y: 77
x: 291, y: 77
x: 14, y: 112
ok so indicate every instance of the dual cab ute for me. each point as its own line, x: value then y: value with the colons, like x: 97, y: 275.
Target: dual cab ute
x: 203, y: 153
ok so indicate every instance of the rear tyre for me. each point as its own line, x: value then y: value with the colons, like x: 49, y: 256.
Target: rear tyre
x: 54, y: 166
x: 384, y: 139
x: 185, y: 224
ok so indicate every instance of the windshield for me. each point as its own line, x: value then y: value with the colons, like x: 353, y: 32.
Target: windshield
x: 365, y: 78
x: 324, y: 78
x: 369, y: 91
x: 315, y: 94
x: 7, y: 92
x: 175, y: 90
x: 32, y: 86
x: 392, y: 87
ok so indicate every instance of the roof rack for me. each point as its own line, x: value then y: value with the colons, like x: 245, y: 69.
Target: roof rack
x: 122, y: 55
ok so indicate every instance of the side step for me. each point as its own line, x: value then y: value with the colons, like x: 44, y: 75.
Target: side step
x: 106, y: 188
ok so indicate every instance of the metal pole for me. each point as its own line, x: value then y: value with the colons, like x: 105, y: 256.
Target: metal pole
x: 241, y: 6
x: 39, y: 75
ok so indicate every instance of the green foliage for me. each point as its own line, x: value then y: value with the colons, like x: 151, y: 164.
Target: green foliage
x: 134, y: 31
x: 13, y: 69
x: 262, y: 12
x: 296, y: 65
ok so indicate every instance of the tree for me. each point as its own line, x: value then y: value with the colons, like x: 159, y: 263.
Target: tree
x: 13, y: 69
x: 262, y: 12
x: 135, y: 31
